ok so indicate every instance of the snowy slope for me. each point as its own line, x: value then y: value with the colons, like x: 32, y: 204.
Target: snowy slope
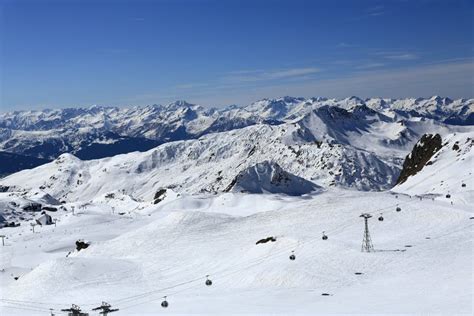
x: 209, y: 164
x: 168, y: 249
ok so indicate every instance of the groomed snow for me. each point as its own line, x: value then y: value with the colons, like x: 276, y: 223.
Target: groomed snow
x: 137, y: 258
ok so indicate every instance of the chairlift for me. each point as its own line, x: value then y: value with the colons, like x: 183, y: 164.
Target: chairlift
x: 292, y: 256
x: 380, y: 218
x: 463, y: 185
x: 164, y: 304
x: 325, y: 237
x: 208, y: 281
x: 398, y: 209
x: 448, y: 196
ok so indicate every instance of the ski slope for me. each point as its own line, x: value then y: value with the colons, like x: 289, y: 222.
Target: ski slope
x: 167, y: 249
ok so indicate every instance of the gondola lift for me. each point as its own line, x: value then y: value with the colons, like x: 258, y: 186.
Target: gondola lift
x: 164, y: 304
x: 398, y: 209
x: 208, y: 281
x: 292, y: 256
x: 463, y: 185
x: 325, y: 237
x: 380, y: 218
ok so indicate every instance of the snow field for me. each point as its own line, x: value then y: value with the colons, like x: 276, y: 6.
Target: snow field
x: 168, y: 249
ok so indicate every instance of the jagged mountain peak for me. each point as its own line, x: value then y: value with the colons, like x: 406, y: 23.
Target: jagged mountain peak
x: 179, y: 104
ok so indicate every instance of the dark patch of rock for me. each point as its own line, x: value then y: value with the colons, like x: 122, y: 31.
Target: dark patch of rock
x: 81, y: 244
x: 426, y: 147
x: 265, y: 240
x: 159, y: 196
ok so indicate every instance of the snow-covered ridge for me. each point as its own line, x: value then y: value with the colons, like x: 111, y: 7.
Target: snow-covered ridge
x: 49, y: 133
x: 353, y: 146
x: 210, y: 164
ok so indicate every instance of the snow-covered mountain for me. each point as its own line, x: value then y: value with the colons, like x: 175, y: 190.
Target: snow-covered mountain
x: 139, y: 252
x: 98, y: 132
x: 162, y: 222
x: 345, y: 144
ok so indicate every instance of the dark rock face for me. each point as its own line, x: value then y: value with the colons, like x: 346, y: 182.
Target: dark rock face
x: 426, y: 147
x: 32, y: 207
x: 49, y: 209
x: 4, y: 188
x: 159, y: 196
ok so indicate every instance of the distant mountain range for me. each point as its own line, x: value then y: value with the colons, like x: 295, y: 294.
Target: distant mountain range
x: 375, y: 125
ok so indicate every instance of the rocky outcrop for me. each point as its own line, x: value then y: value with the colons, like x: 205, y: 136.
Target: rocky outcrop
x: 32, y: 207
x: 81, y: 244
x: 159, y: 196
x: 420, y: 156
x: 265, y: 240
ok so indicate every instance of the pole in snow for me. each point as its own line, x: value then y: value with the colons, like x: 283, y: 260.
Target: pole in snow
x: 3, y: 239
x: 33, y: 226
x: 367, y: 245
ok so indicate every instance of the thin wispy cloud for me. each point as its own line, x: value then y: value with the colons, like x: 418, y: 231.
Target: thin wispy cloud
x: 397, y: 55
x: 376, y: 10
x: 370, y: 66
x: 261, y: 75
x: 450, y: 79
x: 402, y: 56
x: 345, y: 45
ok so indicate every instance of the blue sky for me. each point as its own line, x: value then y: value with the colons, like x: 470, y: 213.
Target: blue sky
x: 78, y: 53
